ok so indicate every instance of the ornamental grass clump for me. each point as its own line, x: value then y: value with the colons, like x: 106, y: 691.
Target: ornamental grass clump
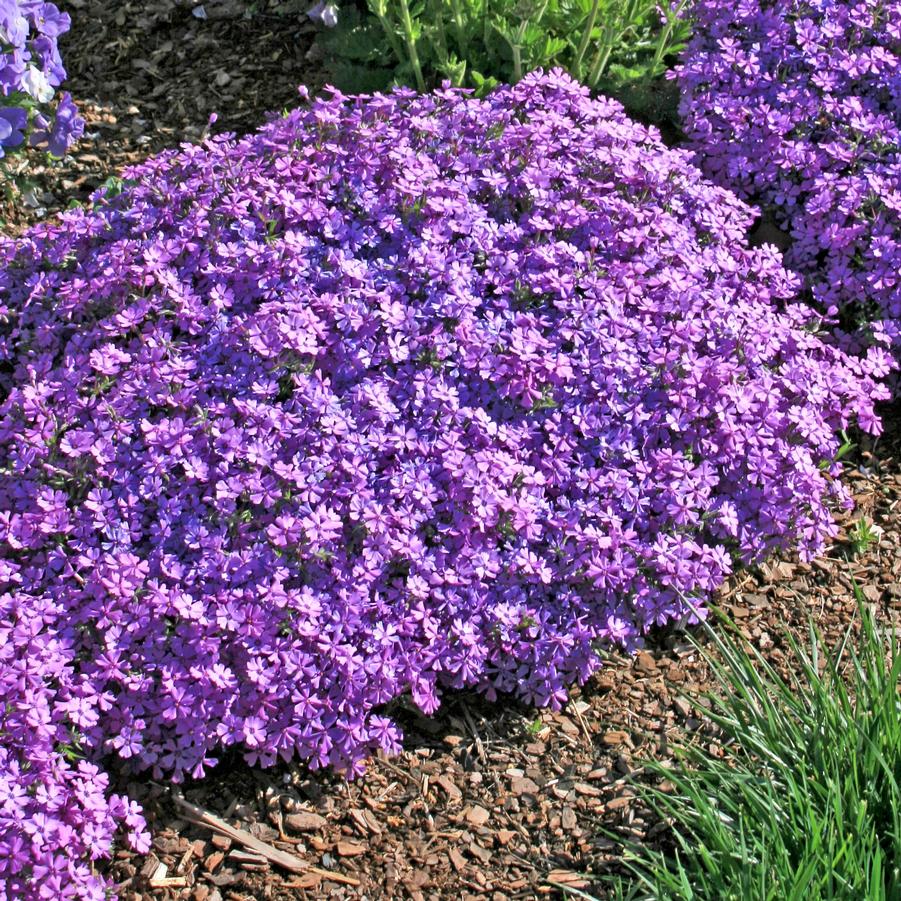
x: 803, y: 799
x: 797, y: 106
x: 400, y: 394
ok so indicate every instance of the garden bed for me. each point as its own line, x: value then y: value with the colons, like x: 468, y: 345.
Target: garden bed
x: 502, y: 800
x: 485, y: 799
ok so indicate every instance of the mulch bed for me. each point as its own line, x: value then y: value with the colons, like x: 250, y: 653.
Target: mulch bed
x: 487, y: 800
x: 147, y: 75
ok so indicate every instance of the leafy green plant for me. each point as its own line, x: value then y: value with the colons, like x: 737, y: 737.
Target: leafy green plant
x: 609, y: 45
x: 861, y: 535
x: 805, y: 801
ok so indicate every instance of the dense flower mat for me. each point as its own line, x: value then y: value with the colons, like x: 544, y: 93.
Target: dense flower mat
x: 401, y: 393
x: 797, y: 105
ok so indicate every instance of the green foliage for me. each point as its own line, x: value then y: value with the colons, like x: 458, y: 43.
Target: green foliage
x: 805, y: 804
x: 610, y: 45
x: 861, y: 535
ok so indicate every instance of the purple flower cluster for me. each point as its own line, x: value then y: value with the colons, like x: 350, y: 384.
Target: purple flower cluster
x: 797, y: 105
x: 55, y: 813
x: 30, y: 71
x: 399, y: 394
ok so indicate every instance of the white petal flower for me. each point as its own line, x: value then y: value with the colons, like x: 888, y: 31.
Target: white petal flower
x: 326, y: 13
x: 330, y: 15
x: 35, y: 83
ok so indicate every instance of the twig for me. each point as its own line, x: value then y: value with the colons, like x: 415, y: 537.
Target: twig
x: 480, y: 749
x: 281, y: 858
x: 242, y: 836
x: 747, y: 580
x: 399, y: 771
x: 582, y: 723
x: 333, y: 877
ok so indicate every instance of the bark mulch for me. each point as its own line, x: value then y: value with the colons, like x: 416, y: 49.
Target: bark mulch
x: 487, y: 800
x: 147, y: 75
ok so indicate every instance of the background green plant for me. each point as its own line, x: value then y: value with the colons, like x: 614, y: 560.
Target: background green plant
x: 805, y: 804
x: 614, y: 46
x: 861, y: 535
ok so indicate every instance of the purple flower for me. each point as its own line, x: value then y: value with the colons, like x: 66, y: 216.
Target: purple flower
x: 324, y: 12
x: 48, y: 20
x: 400, y: 394
x: 30, y: 63
x: 13, y: 24
x: 13, y: 121
x: 797, y: 106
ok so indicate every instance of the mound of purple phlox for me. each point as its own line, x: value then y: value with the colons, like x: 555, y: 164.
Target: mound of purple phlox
x: 400, y: 394
x: 797, y: 105
x: 56, y: 815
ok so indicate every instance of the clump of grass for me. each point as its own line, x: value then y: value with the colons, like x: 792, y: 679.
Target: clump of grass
x: 805, y: 803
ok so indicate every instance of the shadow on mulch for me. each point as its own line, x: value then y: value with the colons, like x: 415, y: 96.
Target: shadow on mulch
x: 148, y: 74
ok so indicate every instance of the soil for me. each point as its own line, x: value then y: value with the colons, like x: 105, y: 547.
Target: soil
x: 487, y: 800
x: 148, y: 74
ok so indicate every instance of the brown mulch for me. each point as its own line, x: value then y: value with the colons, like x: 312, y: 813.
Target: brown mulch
x: 147, y: 74
x: 487, y: 800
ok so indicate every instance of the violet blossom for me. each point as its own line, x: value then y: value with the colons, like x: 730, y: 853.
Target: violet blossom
x: 797, y: 107
x: 401, y: 394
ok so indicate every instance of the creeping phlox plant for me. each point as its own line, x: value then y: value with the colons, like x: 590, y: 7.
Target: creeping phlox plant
x: 55, y: 813
x: 30, y: 71
x: 798, y: 106
x: 401, y: 393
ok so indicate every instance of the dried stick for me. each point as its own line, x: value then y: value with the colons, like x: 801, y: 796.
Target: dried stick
x: 281, y: 858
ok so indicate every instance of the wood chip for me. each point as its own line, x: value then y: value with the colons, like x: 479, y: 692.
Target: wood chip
x: 248, y: 859
x: 150, y: 866
x: 169, y: 882
x: 524, y: 786
x: 584, y: 789
x: 305, y: 821
x: 213, y: 860
x: 567, y: 878
x: 350, y: 849
x: 450, y: 788
x: 161, y: 872
x: 310, y: 880
x: 477, y: 816
x: 365, y: 821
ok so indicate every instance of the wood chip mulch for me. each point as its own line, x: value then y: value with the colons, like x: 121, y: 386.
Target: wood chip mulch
x: 148, y: 74
x: 487, y: 800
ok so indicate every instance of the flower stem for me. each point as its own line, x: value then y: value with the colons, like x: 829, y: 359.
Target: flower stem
x: 378, y: 10
x: 461, y: 31
x: 410, y: 40
x: 586, y: 37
